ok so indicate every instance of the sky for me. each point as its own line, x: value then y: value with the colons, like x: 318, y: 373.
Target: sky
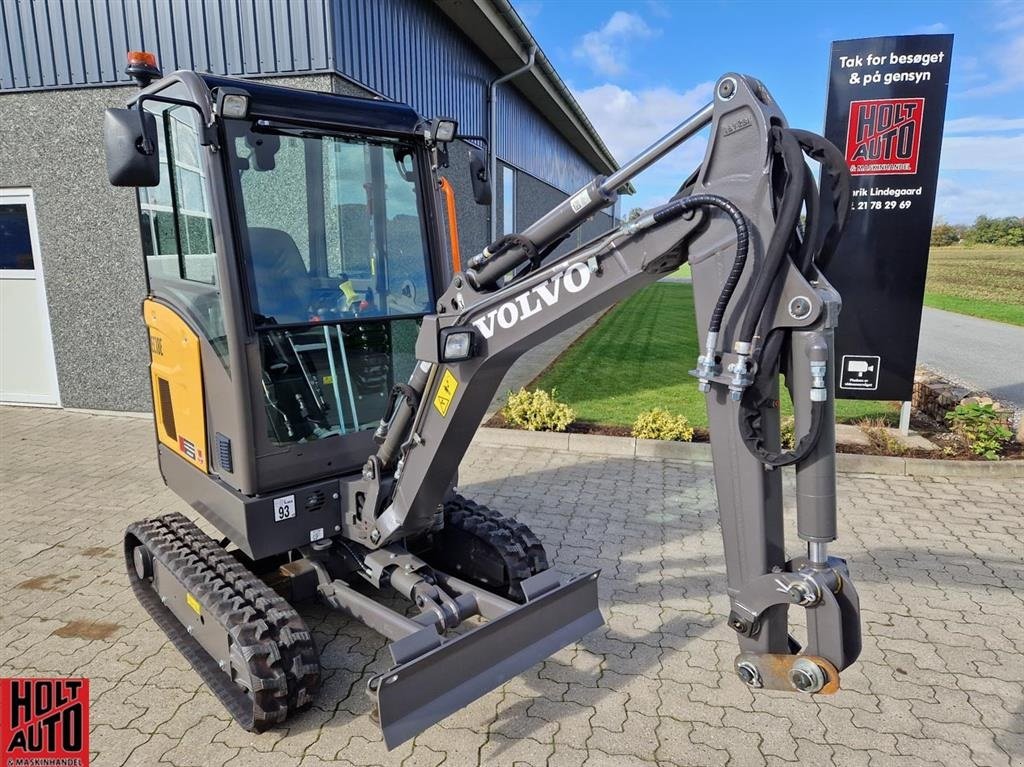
x: 639, y: 67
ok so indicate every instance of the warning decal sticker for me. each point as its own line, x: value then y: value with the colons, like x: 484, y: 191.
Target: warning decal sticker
x: 445, y: 393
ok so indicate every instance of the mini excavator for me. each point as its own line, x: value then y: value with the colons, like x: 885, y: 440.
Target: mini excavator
x: 319, y: 366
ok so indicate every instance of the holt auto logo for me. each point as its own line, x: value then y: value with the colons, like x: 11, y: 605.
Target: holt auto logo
x: 44, y: 722
x: 884, y: 136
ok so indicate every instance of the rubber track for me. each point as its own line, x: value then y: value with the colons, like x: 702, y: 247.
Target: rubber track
x: 519, y: 548
x: 266, y: 633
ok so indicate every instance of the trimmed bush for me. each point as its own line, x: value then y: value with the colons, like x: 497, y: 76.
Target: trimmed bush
x: 661, y: 424
x: 537, y: 410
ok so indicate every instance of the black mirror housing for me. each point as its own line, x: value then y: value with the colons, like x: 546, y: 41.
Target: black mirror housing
x: 478, y: 177
x: 130, y: 141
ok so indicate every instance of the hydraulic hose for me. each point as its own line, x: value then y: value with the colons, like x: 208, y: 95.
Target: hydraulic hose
x: 759, y: 396
x: 677, y: 208
x: 805, y: 257
x: 814, y: 246
x: 789, y: 212
x: 833, y: 165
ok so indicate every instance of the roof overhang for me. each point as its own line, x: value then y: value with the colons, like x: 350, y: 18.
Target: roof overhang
x: 495, y: 27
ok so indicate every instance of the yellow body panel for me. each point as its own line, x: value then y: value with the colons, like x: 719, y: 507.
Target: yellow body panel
x: 177, y: 377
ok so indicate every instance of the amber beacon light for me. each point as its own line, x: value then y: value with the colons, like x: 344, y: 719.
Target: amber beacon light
x: 142, y: 67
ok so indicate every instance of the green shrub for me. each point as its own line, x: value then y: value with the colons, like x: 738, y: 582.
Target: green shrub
x: 788, y: 428
x: 661, y: 424
x: 982, y: 427
x: 537, y: 410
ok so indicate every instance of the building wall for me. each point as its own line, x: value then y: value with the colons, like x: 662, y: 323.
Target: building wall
x: 68, y: 43
x: 407, y: 50
x: 52, y: 97
x: 52, y: 142
x: 88, y: 242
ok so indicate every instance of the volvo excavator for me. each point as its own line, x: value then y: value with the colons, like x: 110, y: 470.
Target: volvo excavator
x: 319, y: 367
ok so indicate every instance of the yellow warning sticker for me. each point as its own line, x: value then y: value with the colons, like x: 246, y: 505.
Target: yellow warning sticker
x: 193, y: 603
x: 445, y: 393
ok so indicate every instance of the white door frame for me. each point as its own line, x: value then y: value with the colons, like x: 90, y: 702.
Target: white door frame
x: 24, y: 196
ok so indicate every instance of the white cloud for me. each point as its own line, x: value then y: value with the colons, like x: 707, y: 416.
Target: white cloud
x: 1010, y: 13
x: 984, y: 124
x: 1007, y: 74
x: 605, y: 50
x: 995, y: 153
x: 659, y: 8
x: 529, y: 11
x: 630, y: 121
x: 960, y: 202
x: 930, y: 29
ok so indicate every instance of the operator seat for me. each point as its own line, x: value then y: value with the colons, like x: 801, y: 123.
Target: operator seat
x: 282, y: 280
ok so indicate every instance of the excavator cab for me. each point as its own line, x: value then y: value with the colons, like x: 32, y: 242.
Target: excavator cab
x: 304, y: 254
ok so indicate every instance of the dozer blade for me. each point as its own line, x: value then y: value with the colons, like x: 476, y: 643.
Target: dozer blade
x: 414, y: 695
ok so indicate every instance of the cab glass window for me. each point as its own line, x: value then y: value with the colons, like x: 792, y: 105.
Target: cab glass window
x: 334, y: 227
x: 177, y: 225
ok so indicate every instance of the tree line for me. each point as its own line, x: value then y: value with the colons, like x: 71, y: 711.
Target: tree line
x: 984, y: 231
x: 1008, y: 231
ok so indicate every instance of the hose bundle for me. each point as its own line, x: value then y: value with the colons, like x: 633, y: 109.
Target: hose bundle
x: 807, y: 250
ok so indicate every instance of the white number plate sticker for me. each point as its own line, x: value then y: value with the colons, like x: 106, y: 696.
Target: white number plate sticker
x: 316, y: 535
x: 284, y: 508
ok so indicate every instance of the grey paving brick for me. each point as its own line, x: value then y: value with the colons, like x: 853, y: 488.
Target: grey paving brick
x: 937, y: 561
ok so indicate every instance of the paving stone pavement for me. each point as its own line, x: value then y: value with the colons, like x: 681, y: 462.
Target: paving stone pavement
x: 938, y: 566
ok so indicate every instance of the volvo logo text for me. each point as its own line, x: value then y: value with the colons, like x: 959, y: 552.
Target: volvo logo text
x: 527, y: 304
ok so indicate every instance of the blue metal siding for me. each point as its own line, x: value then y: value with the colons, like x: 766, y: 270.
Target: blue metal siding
x: 410, y: 51
x: 64, y: 43
x: 407, y: 50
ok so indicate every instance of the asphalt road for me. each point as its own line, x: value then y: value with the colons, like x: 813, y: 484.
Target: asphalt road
x: 978, y: 353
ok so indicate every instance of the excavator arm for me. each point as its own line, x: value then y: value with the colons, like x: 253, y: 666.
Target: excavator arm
x: 763, y: 308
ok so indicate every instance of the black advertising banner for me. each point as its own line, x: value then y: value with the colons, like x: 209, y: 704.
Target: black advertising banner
x: 886, y: 107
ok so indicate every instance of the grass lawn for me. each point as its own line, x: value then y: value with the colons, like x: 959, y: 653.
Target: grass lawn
x: 637, y: 357
x: 982, y: 281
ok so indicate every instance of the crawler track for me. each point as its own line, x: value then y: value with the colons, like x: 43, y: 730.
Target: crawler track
x: 275, y: 667
x: 486, y: 548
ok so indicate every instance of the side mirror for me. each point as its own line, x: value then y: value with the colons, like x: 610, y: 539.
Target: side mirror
x: 129, y: 138
x: 478, y: 177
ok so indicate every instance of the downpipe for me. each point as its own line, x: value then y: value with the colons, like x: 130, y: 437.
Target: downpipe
x: 492, y: 131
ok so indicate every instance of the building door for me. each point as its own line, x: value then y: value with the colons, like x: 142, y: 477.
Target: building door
x: 28, y: 373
